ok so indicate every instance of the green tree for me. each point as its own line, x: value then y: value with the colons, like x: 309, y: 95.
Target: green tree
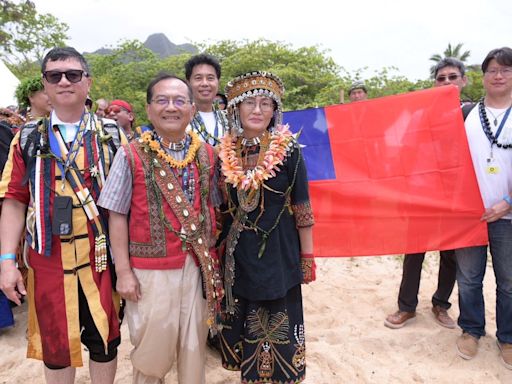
x: 11, y: 13
x: 450, y: 51
x: 305, y: 71
x: 474, y: 89
x: 26, y: 35
x: 310, y: 75
x: 124, y: 74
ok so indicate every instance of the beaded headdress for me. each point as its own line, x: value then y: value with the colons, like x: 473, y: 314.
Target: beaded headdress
x: 253, y: 84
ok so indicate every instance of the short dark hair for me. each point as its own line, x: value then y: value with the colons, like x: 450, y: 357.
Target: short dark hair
x: 165, y: 76
x: 65, y: 53
x: 202, y: 58
x: 502, y: 55
x: 450, y: 62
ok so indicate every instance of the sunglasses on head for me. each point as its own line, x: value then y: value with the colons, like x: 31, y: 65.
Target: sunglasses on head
x: 72, y: 75
x: 450, y: 77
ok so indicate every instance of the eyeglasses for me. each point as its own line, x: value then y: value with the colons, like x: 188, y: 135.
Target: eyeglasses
x: 265, y: 105
x: 451, y: 77
x: 505, y: 72
x: 72, y: 75
x: 178, y: 102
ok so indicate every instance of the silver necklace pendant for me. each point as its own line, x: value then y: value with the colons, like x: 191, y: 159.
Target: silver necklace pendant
x: 250, y: 142
x: 177, y: 146
x: 495, y: 121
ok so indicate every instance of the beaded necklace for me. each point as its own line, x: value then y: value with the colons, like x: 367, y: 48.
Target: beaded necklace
x: 198, y: 124
x: 186, y: 173
x: 250, y: 142
x: 154, y: 143
x: 176, y: 147
x: 493, y: 138
x: 248, y: 199
x: 495, y: 121
x: 280, y: 139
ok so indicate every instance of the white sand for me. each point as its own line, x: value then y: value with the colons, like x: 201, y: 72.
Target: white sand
x: 345, y: 336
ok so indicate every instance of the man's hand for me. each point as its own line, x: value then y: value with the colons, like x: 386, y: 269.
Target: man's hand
x: 496, y: 212
x: 11, y: 282
x: 128, y: 285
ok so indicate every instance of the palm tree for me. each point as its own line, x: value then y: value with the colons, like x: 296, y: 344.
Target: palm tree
x: 454, y: 52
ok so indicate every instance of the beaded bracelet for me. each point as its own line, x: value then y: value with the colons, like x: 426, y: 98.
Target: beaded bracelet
x: 7, y: 256
x: 307, y: 256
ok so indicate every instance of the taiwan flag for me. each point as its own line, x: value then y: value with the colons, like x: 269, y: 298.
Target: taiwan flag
x: 390, y: 175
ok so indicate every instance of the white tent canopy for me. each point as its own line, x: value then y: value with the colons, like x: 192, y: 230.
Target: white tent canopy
x: 8, y: 84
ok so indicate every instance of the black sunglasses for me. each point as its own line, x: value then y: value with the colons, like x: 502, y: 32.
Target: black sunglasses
x: 72, y: 75
x: 450, y: 77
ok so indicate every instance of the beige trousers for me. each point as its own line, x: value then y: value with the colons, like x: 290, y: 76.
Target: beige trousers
x: 168, y: 323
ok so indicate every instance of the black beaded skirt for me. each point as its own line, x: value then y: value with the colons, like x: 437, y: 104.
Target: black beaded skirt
x: 265, y: 340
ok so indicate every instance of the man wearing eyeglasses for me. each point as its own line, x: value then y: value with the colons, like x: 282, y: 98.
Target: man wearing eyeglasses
x: 449, y: 71
x: 65, y: 160
x: 203, y: 74
x: 160, y: 193
x: 489, y: 133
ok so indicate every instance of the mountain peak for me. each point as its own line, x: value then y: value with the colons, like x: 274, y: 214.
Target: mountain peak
x: 161, y: 45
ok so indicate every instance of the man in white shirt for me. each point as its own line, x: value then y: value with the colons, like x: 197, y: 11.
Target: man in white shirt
x: 489, y: 132
x: 203, y: 74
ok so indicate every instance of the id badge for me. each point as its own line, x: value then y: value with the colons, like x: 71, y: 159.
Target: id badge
x: 491, y: 168
x: 62, y: 220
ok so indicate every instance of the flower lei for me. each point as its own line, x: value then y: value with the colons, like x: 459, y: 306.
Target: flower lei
x: 154, y: 145
x: 232, y: 168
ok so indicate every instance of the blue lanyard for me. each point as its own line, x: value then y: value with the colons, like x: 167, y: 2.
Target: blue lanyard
x: 216, y: 130
x: 502, y: 124
x: 500, y: 128
x: 55, y: 147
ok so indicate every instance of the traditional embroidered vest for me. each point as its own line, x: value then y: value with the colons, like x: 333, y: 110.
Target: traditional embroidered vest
x: 94, y: 157
x: 152, y: 246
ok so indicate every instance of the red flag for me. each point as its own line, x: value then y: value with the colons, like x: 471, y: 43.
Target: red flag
x: 404, y: 180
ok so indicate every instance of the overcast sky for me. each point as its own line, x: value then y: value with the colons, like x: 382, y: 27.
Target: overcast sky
x: 357, y: 33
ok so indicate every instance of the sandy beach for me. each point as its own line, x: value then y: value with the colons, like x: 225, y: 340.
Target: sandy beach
x: 346, y: 340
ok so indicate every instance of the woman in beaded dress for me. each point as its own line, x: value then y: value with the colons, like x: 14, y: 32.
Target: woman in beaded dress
x: 267, y: 234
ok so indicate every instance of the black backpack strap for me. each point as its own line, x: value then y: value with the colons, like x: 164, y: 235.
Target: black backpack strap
x: 6, y: 136
x: 466, y: 109
x: 30, y: 142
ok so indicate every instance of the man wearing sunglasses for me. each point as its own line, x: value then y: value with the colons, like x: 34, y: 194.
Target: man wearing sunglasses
x: 70, y: 295
x: 448, y: 71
